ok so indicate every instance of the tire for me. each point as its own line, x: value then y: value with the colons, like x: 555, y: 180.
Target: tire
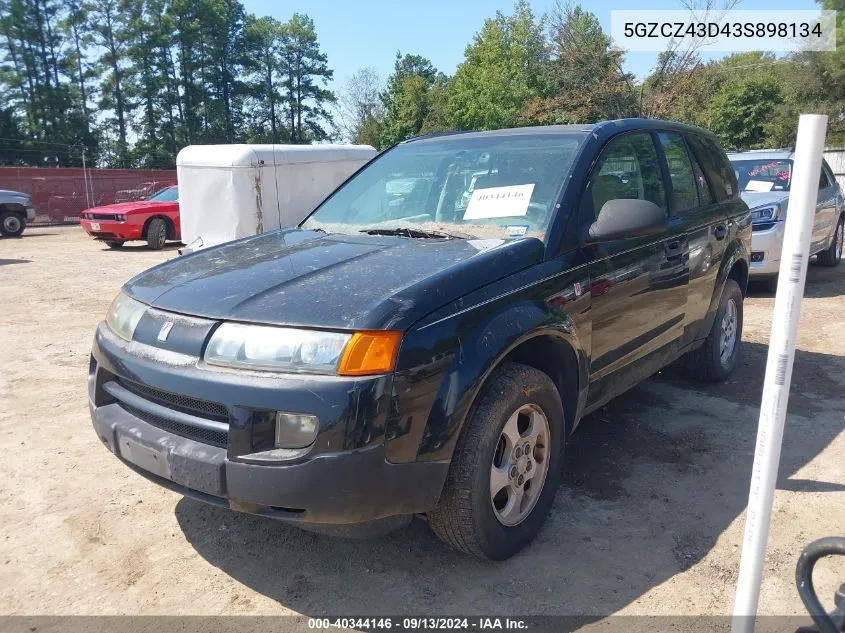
x: 114, y: 243
x: 465, y: 516
x: 707, y: 362
x: 833, y: 255
x: 11, y: 224
x: 156, y: 234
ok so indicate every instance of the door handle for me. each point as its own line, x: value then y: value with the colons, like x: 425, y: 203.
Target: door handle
x: 720, y: 231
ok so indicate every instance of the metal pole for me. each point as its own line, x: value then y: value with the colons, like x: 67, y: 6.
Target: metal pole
x: 793, y: 271
x: 85, y: 180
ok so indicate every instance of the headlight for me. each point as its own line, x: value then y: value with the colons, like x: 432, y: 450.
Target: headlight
x: 124, y: 315
x: 766, y: 214
x: 269, y: 348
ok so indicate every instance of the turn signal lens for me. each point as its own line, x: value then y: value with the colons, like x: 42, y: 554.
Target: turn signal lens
x: 370, y: 353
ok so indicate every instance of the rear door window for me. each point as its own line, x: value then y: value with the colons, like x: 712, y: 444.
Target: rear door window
x: 705, y: 193
x: 681, y: 175
x: 716, y: 166
x: 824, y: 181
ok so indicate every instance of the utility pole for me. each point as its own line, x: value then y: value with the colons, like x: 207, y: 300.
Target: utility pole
x: 88, y: 204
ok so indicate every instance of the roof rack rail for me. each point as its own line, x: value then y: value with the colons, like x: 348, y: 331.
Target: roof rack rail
x: 420, y: 137
x: 762, y: 151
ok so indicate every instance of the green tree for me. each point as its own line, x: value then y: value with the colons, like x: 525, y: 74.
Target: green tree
x: 407, y: 99
x: 505, y: 66
x: 109, y: 30
x: 361, y: 111
x: 740, y: 113
x: 587, y: 75
x: 263, y: 40
x: 824, y: 74
x: 74, y: 63
x: 307, y: 73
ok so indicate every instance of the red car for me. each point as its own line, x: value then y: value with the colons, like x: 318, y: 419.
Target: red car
x: 155, y: 220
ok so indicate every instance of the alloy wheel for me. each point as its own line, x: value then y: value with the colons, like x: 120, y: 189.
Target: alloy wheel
x: 727, y: 342
x: 520, y: 465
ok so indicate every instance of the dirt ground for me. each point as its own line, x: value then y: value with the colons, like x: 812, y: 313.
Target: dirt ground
x: 649, y: 518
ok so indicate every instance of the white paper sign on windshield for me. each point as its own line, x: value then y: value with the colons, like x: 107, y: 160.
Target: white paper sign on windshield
x: 499, y: 202
x: 759, y: 185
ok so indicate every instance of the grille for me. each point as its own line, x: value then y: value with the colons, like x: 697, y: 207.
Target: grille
x: 762, y: 226
x: 178, y: 402
x: 206, y: 436
x: 102, y: 216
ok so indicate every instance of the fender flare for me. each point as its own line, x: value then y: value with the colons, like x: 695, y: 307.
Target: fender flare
x: 477, y: 357
x: 735, y: 252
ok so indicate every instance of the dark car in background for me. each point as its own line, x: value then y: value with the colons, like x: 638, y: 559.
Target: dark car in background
x: 430, y: 336
x: 16, y: 209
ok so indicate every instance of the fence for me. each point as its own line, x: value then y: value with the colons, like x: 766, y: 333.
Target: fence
x: 60, y: 194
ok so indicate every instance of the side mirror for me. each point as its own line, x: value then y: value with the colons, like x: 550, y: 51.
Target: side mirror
x: 622, y: 218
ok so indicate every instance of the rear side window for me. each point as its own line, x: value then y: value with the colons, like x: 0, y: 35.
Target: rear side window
x: 627, y: 169
x: 716, y: 165
x: 705, y: 194
x: 824, y: 182
x: 681, y: 176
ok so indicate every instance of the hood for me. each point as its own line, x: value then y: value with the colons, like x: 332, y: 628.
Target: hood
x: 128, y: 207
x: 7, y: 193
x: 352, y: 282
x: 756, y: 199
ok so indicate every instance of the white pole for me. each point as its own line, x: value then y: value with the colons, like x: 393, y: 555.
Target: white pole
x: 85, y: 180
x: 793, y: 270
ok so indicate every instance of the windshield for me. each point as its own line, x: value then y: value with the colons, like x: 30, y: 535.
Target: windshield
x: 763, y: 175
x: 171, y: 194
x: 491, y: 187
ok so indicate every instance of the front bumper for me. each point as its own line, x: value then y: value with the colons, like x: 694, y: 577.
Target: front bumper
x: 30, y: 214
x: 112, y: 230
x: 343, y: 479
x: 766, y: 245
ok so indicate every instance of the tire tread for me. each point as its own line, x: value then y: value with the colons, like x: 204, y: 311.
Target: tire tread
x: 454, y: 518
x: 703, y: 363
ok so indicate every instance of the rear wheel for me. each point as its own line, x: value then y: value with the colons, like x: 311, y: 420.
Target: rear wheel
x: 114, y: 243
x: 833, y: 255
x: 11, y: 224
x: 506, y: 467
x: 716, y: 358
x: 156, y: 234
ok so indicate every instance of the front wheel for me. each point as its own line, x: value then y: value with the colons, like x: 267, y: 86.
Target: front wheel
x: 833, y: 255
x: 11, y: 224
x: 716, y: 359
x: 156, y: 234
x: 506, y: 467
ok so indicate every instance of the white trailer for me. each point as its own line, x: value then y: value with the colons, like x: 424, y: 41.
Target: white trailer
x: 232, y: 191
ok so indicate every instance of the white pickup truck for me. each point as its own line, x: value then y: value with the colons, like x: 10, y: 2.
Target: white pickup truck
x: 15, y: 210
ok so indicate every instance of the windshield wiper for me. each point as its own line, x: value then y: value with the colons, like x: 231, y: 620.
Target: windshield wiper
x: 417, y: 233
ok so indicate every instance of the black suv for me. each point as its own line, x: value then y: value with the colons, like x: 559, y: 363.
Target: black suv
x: 429, y: 337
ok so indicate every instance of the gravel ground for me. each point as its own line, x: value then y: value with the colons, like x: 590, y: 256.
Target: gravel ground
x: 648, y: 520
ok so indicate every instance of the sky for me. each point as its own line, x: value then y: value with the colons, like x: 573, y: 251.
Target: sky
x: 359, y: 33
